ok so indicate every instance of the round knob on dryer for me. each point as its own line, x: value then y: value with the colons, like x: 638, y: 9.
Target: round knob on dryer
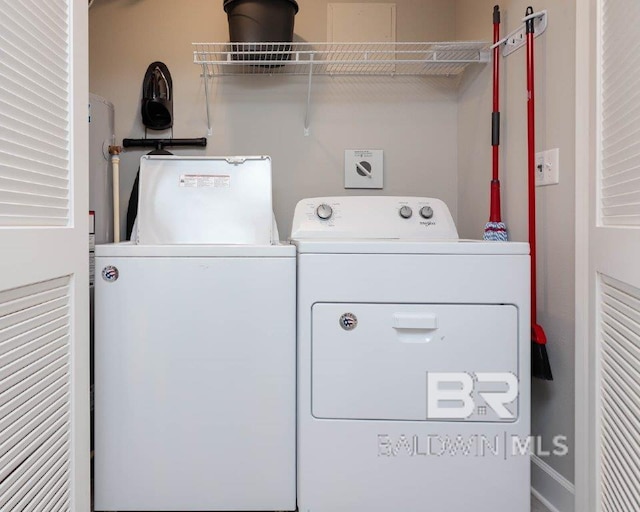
x: 426, y: 212
x: 406, y: 212
x: 324, y: 211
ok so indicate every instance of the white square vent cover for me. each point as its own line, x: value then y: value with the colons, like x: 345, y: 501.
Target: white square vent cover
x: 361, y: 23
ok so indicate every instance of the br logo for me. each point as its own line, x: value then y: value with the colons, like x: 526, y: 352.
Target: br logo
x: 348, y: 321
x: 452, y: 396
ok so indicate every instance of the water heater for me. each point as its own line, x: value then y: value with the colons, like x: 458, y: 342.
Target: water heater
x: 101, y: 136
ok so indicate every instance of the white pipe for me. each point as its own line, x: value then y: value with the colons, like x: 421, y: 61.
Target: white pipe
x: 115, y: 151
x: 116, y: 198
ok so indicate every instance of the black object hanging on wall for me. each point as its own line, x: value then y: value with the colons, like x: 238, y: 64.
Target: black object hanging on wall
x: 157, y: 114
x: 157, y: 97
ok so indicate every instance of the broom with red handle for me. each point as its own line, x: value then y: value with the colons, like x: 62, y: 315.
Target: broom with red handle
x: 495, y: 229
x: 540, y: 366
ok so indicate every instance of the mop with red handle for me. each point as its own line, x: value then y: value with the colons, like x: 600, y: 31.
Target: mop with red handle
x: 495, y: 229
x: 540, y: 366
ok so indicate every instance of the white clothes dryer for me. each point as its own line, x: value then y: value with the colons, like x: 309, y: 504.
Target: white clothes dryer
x: 413, y: 361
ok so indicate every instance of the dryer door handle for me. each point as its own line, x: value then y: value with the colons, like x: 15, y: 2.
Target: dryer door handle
x: 415, y: 321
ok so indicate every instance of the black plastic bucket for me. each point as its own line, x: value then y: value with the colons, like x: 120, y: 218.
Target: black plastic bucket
x: 252, y: 21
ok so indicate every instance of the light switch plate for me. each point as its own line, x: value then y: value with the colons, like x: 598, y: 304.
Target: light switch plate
x: 364, y: 168
x: 552, y: 166
x: 548, y: 167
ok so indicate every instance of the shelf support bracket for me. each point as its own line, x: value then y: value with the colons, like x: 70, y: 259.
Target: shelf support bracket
x: 307, y: 115
x: 205, y: 76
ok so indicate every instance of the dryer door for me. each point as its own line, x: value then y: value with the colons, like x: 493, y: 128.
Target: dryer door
x: 415, y: 362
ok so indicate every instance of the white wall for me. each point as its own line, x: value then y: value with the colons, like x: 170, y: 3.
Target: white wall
x: 553, y: 402
x: 413, y: 119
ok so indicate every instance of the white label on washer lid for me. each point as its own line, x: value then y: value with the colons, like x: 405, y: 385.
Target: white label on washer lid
x: 205, y: 181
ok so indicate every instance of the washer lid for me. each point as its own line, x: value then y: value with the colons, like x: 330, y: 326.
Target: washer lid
x: 396, y: 246
x: 205, y: 200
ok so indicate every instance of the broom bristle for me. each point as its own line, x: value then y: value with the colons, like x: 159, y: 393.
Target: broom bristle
x: 540, y: 366
x: 495, y: 232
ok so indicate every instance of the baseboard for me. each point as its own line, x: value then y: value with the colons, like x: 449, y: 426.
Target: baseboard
x: 552, y: 489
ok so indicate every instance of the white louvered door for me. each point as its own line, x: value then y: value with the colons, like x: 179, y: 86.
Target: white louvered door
x: 44, y: 289
x: 608, y: 386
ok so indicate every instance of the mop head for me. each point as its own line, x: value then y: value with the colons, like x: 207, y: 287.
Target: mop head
x: 495, y: 232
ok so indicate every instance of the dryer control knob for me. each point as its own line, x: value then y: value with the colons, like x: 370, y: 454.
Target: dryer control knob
x: 406, y: 212
x: 426, y: 212
x: 324, y: 211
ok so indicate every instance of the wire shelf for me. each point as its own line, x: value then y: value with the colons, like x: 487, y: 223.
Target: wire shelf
x: 336, y: 59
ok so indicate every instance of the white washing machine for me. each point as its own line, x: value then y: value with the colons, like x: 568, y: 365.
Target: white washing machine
x: 195, y: 346
x: 413, y: 361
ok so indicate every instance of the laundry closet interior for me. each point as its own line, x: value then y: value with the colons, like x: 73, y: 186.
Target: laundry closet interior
x: 433, y: 127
